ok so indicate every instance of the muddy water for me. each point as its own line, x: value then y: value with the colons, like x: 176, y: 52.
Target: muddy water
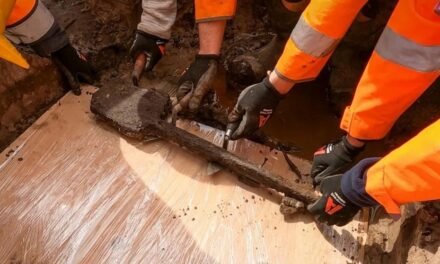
x: 304, y: 118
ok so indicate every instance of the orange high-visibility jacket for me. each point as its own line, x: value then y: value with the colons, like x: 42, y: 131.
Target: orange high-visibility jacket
x: 31, y: 23
x: 28, y: 21
x: 405, y: 62
x: 410, y: 173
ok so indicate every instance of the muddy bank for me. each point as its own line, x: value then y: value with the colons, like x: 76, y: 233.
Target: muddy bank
x: 415, y: 238
x: 25, y: 95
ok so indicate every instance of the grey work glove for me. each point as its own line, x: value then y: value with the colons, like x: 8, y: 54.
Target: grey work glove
x: 254, y: 107
x: 153, y: 47
x: 333, y: 158
x: 197, y: 80
x: 74, y: 67
x: 333, y: 207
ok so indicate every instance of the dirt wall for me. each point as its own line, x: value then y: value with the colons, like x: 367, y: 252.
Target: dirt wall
x: 25, y: 94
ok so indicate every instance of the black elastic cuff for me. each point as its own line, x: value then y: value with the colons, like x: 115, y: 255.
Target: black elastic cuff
x: 270, y: 86
x: 147, y: 35
x: 208, y: 56
x: 350, y: 148
x: 54, y: 40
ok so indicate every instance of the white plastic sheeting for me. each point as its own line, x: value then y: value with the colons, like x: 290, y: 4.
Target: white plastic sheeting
x: 73, y: 191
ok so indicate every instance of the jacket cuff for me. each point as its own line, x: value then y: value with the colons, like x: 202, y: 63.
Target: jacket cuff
x: 353, y: 184
x: 54, y: 40
x: 270, y: 86
x: 151, y: 36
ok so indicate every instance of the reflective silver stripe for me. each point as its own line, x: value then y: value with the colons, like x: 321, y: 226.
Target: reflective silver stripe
x: 33, y: 28
x: 311, y: 41
x: 398, y: 49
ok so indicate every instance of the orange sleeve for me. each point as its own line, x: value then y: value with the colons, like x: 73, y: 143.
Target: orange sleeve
x: 315, y: 36
x: 410, y: 173
x: 212, y: 10
x: 21, y: 10
x: 403, y: 65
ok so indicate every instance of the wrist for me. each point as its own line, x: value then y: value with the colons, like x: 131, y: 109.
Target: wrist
x: 272, y: 88
x: 282, y: 85
x: 158, y: 40
x: 209, y: 52
x: 353, y: 184
x: 208, y: 56
x: 355, y: 142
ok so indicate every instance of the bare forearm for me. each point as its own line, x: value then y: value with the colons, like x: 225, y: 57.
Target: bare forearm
x: 211, y: 36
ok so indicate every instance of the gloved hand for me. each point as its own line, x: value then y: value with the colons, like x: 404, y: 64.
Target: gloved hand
x: 254, y: 107
x: 333, y: 208
x: 153, y: 47
x: 197, y: 81
x: 333, y: 158
x: 74, y: 67
x: 343, y: 195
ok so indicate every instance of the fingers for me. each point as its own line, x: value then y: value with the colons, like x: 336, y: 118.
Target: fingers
x: 185, y: 88
x: 248, y: 125
x: 86, y: 78
x: 150, y: 63
x: 330, y: 183
x: 319, y: 173
x: 203, y: 87
x: 72, y: 82
x: 316, y: 207
x: 234, y: 120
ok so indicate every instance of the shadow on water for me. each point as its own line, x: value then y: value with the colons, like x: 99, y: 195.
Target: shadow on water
x: 304, y: 117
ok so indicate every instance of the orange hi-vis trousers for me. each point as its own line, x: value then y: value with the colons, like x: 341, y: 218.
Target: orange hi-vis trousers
x: 410, y: 173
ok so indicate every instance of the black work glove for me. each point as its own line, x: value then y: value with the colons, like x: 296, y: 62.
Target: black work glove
x: 153, y: 47
x: 333, y: 207
x: 74, y: 67
x: 333, y: 158
x: 254, y: 107
x: 197, y: 80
